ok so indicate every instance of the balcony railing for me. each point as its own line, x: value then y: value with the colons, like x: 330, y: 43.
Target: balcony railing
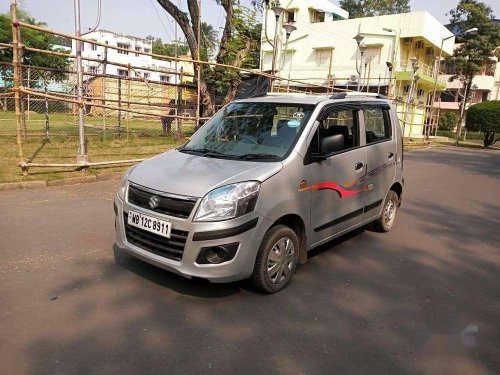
x: 428, y: 70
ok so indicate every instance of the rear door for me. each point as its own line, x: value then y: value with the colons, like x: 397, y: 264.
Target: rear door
x: 335, y: 195
x: 381, y: 155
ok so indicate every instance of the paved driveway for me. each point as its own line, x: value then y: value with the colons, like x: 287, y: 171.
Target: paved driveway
x: 424, y: 298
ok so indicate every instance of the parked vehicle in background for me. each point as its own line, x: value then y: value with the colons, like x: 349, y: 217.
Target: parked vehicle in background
x: 261, y: 183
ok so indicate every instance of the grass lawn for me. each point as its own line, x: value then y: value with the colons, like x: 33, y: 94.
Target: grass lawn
x: 63, y: 145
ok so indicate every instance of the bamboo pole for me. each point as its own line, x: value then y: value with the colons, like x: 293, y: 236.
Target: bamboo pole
x: 17, y: 83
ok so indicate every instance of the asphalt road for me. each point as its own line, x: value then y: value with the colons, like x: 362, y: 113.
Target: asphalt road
x: 424, y: 298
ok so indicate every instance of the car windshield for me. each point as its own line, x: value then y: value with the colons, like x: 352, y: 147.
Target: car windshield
x: 251, y: 131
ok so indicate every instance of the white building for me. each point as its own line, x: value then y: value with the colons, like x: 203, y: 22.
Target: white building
x: 322, y: 51
x: 139, y: 63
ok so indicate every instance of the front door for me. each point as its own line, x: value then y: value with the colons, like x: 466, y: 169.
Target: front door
x: 336, y: 184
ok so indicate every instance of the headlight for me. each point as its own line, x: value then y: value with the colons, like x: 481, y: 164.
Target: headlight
x: 228, y: 202
x: 123, y: 184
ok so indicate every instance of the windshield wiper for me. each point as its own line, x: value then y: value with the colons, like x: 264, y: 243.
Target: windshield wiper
x: 257, y: 156
x: 204, y: 151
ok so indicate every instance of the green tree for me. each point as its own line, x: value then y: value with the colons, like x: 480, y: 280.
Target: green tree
x: 167, y: 49
x: 234, y: 47
x: 209, y: 38
x: 35, y: 39
x: 370, y: 8
x: 485, y: 117
x: 448, y: 121
x: 476, y: 50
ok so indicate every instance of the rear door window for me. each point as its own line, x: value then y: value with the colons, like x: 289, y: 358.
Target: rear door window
x: 377, y: 125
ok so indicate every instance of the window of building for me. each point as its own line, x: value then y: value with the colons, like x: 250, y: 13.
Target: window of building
x: 123, y: 72
x: 93, y: 69
x: 420, y: 92
x: 146, y: 75
x: 289, y: 16
x: 373, y: 54
x: 164, y: 78
x: 123, y: 45
x: 316, y: 16
x: 147, y: 50
x: 138, y: 49
x: 377, y: 125
x: 93, y: 47
x: 323, y: 56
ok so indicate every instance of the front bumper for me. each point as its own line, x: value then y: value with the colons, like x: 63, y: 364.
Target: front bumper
x: 238, y: 268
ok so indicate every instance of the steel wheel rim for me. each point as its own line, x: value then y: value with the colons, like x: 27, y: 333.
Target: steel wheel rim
x: 390, y: 212
x: 281, y: 260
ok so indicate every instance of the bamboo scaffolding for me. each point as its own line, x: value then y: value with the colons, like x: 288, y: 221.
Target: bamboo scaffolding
x: 76, y: 102
x: 17, y: 80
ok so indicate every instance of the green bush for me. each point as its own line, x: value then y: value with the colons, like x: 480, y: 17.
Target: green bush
x: 484, y: 117
x: 448, y: 121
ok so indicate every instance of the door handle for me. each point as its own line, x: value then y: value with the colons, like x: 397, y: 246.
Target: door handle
x: 390, y: 156
x: 358, y: 166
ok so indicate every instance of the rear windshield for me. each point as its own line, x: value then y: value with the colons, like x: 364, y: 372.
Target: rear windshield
x: 265, y: 131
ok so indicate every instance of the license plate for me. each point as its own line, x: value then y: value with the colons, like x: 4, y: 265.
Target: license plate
x: 149, y: 223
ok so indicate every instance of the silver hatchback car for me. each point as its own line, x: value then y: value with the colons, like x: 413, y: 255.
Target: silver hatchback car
x: 260, y: 184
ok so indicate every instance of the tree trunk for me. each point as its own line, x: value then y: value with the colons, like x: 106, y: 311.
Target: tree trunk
x: 190, y: 32
x: 489, y: 138
x: 189, y: 26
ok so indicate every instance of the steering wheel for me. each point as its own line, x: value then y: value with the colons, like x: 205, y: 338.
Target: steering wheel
x: 248, y: 139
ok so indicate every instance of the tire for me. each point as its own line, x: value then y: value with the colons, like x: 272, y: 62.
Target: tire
x: 389, y: 210
x: 273, y: 271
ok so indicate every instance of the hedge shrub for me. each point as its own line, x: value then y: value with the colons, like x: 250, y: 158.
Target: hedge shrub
x: 484, y: 117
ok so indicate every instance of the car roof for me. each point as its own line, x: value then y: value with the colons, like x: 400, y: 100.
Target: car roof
x: 302, y: 98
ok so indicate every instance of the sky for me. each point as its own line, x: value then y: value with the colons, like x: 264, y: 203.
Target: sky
x: 146, y: 17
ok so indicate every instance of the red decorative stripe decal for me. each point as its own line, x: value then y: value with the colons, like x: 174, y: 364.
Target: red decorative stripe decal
x: 341, y: 190
x: 349, y: 189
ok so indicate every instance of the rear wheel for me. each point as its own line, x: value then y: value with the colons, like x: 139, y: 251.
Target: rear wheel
x: 276, y: 260
x: 386, y: 220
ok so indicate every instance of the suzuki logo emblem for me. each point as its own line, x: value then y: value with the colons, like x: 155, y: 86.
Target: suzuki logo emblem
x: 154, y: 201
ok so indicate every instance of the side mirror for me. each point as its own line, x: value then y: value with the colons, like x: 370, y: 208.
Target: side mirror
x: 332, y: 144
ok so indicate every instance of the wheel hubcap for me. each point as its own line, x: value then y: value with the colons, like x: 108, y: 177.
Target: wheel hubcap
x: 281, y: 260
x: 390, y: 212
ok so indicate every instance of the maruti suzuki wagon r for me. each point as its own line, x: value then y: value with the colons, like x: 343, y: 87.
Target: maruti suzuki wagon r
x: 260, y: 184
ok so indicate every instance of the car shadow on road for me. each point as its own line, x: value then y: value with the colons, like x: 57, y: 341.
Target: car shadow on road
x: 194, y: 286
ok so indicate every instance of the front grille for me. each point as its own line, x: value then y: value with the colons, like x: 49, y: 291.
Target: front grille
x: 171, y: 248
x: 168, y: 205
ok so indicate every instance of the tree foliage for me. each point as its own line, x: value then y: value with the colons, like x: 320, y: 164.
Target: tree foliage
x: 167, y: 49
x: 476, y: 50
x: 448, y: 121
x: 241, y: 52
x: 35, y: 39
x: 369, y: 8
x: 484, y: 117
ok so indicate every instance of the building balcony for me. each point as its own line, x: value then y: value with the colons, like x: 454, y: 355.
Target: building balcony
x: 426, y: 75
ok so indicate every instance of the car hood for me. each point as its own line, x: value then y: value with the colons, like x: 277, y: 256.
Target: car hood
x: 194, y: 175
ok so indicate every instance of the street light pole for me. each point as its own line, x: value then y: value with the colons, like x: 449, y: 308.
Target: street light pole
x: 392, y: 67
x: 472, y: 31
x: 277, y: 13
x: 362, y: 48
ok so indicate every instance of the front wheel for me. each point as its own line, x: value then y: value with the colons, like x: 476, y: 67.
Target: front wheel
x: 276, y: 260
x: 386, y: 220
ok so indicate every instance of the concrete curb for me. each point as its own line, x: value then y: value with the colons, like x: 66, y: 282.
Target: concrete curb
x: 23, y: 185
x: 63, y: 182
